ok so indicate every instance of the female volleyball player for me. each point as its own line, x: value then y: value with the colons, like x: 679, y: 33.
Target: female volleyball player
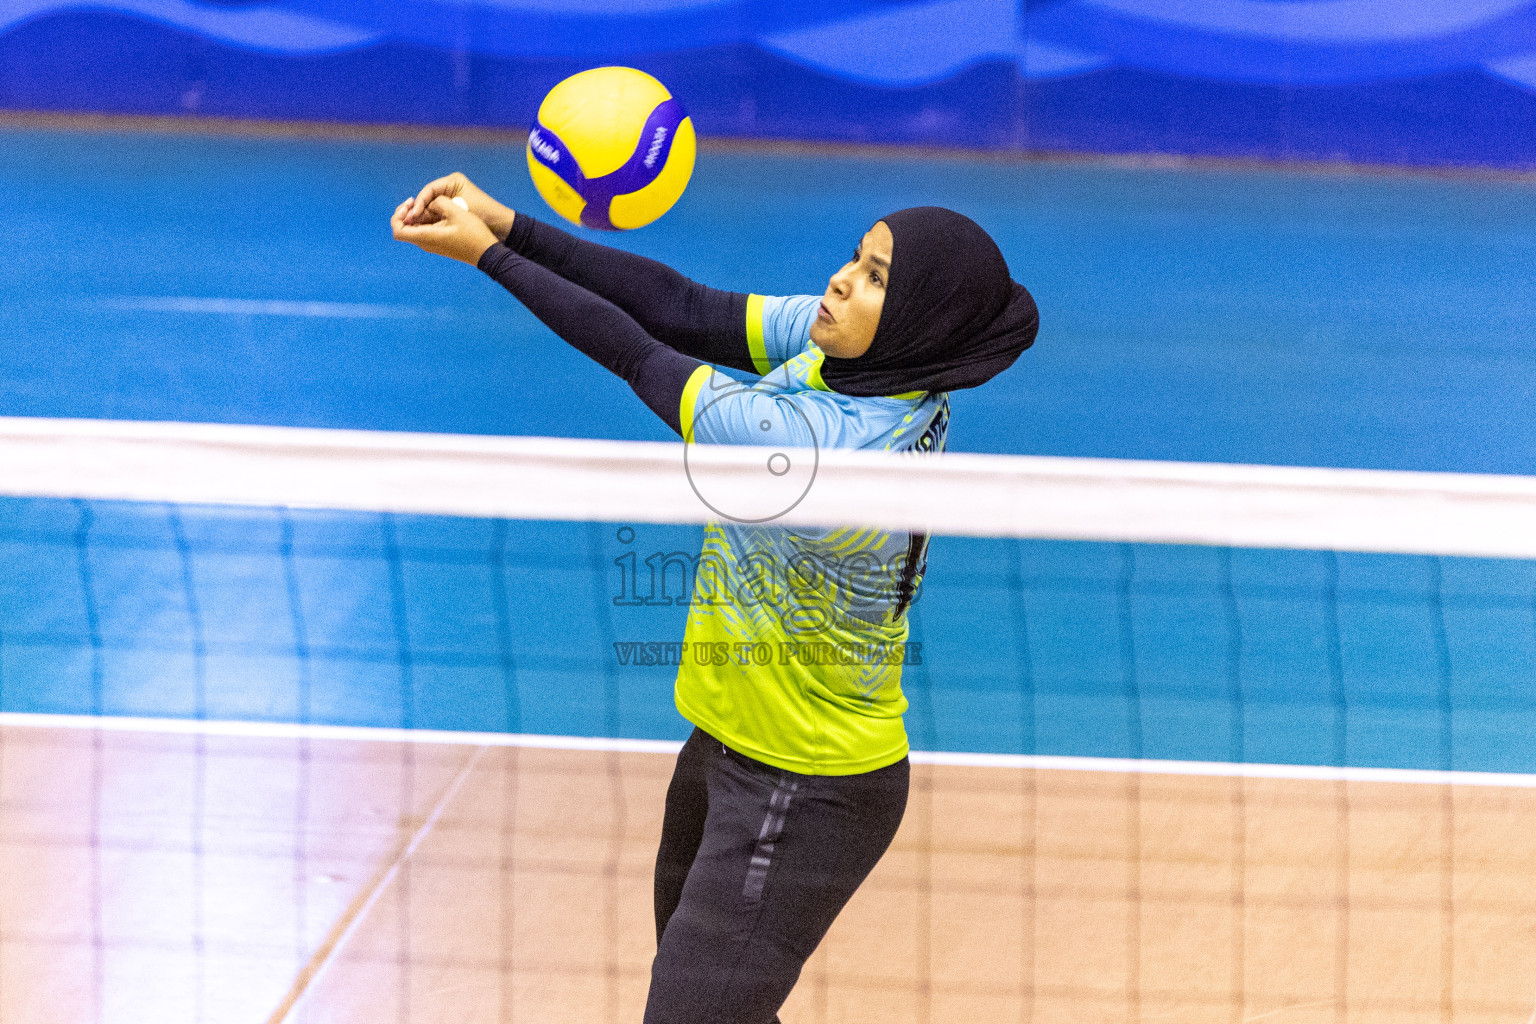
x: 795, y: 778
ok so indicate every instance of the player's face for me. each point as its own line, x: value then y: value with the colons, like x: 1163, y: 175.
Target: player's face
x: 850, y: 309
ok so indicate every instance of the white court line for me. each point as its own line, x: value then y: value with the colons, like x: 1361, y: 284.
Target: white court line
x: 268, y: 307
x: 1040, y: 762
x: 357, y: 733
x: 1227, y: 769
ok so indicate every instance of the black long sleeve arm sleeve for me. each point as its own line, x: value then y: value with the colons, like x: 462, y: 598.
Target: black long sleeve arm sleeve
x: 699, y: 321
x: 598, y: 328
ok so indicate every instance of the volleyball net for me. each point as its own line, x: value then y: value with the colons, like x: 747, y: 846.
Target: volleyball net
x: 385, y: 719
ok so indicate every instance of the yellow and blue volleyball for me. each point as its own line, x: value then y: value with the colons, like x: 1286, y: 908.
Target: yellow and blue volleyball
x: 611, y: 149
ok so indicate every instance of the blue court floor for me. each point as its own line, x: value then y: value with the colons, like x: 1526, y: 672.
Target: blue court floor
x: 1214, y: 315
x: 1248, y: 316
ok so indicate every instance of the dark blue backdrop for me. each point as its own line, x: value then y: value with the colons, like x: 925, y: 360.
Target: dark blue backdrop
x: 1379, y: 81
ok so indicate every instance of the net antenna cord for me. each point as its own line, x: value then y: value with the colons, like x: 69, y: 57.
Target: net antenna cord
x: 625, y: 481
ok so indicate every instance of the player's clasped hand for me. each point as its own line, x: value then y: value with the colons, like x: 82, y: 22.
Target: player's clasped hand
x: 448, y: 229
x: 497, y: 216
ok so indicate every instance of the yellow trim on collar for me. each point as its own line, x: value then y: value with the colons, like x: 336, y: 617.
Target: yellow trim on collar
x: 813, y: 377
x: 755, y: 344
x: 813, y: 372
x: 690, y: 399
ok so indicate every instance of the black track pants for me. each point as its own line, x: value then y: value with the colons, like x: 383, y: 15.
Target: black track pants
x: 755, y: 862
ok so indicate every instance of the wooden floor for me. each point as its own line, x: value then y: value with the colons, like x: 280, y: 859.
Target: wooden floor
x: 169, y: 878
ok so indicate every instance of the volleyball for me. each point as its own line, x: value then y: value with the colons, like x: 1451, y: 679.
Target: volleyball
x: 611, y: 149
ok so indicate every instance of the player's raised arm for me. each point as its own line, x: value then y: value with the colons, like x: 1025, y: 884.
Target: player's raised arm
x: 589, y: 322
x: 598, y: 328
x: 697, y: 320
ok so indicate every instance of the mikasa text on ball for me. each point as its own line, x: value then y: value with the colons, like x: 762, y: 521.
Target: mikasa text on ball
x: 611, y: 149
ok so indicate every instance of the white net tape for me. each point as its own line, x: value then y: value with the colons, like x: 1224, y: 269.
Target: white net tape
x: 955, y: 494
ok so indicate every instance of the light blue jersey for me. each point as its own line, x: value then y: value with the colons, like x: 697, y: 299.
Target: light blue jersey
x: 796, y: 635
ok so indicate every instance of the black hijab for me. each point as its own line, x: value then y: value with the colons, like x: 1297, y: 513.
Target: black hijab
x: 953, y: 318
